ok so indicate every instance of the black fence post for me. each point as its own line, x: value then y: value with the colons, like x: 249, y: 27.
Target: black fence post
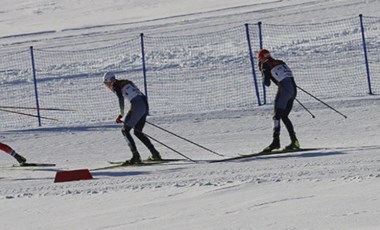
x: 261, y: 47
x: 35, y: 85
x: 143, y: 65
x: 365, y: 54
x: 252, y: 63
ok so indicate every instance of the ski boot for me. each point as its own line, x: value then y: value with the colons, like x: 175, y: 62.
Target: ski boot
x: 155, y: 155
x: 20, y: 159
x: 295, y: 145
x: 136, y: 159
x: 274, y: 145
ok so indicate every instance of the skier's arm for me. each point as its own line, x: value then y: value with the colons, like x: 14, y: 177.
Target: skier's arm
x: 121, y: 100
x: 265, y: 70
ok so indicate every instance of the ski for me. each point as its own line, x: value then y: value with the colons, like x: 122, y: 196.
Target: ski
x: 147, y: 161
x: 120, y: 164
x: 34, y: 165
x: 283, y: 151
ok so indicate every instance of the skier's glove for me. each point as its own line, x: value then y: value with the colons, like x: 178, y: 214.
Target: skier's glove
x: 118, y: 119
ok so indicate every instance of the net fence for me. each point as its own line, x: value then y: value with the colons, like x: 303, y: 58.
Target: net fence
x: 193, y: 73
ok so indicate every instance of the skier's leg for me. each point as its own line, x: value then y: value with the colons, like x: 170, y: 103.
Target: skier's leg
x: 145, y: 140
x: 137, y: 120
x: 276, y: 131
x: 6, y: 148
x: 289, y: 126
x: 280, y: 111
x: 20, y: 159
x: 129, y: 139
x: 276, y: 128
x: 276, y: 134
x: 140, y: 135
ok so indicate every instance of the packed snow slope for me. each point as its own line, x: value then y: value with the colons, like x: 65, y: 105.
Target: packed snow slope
x: 334, y: 187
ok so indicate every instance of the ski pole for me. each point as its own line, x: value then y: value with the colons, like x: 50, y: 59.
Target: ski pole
x: 303, y: 106
x: 21, y: 107
x: 27, y: 114
x: 176, y: 135
x: 322, y: 102
x: 166, y: 146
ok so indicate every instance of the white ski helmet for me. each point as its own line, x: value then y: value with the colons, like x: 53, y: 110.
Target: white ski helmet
x: 108, y: 77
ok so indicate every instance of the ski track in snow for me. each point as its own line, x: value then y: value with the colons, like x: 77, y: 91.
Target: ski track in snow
x: 342, y: 165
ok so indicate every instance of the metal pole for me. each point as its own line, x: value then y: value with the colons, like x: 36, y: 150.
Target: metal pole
x: 259, y: 24
x: 167, y: 146
x: 252, y: 63
x: 35, y: 85
x: 322, y: 102
x: 185, y: 139
x: 143, y: 64
x: 312, y: 115
x: 365, y: 54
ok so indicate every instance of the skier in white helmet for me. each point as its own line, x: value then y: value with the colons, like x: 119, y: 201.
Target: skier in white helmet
x: 136, y: 116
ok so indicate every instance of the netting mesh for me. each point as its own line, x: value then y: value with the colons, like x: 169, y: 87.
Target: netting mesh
x: 199, y: 73
x: 73, y: 80
x: 326, y: 59
x: 16, y: 90
x: 189, y: 74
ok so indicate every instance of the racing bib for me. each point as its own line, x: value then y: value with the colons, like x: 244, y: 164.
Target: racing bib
x: 131, y: 91
x: 280, y: 72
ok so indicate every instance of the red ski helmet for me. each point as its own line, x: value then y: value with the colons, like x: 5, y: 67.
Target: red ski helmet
x: 263, y: 55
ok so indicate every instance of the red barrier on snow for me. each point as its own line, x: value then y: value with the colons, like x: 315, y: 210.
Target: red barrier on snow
x: 72, y: 175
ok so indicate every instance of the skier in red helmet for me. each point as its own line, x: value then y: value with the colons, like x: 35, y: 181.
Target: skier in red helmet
x: 279, y: 73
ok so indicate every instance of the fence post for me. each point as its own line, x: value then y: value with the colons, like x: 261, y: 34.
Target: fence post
x: 143, y: 65
x: 35, y: 85
x: 365, y: 54
x: 252, y: 63
x: 261, y: 47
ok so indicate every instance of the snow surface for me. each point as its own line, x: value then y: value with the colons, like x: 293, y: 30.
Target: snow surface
x: 332, y: 188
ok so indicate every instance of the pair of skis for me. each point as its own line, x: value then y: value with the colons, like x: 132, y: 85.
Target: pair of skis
x: 117, y: 164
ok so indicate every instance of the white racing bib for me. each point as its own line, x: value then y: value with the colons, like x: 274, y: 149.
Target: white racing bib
x: 280, y: 72
x: 130, y: 91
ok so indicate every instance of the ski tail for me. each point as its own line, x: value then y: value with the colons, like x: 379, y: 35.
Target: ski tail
x: 26, y: 164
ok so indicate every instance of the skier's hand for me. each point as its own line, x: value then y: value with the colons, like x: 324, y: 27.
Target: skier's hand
x: 118, y: 119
